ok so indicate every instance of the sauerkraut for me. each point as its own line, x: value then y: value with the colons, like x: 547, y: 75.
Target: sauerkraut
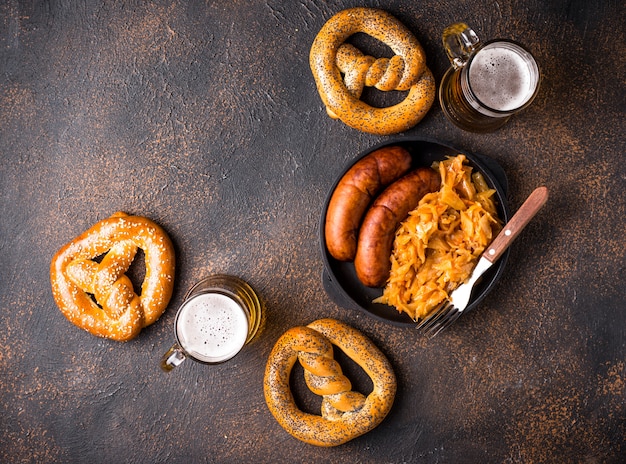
x: 436, y: 248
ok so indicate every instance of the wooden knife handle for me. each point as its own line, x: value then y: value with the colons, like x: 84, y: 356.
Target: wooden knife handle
x: 517, y: 223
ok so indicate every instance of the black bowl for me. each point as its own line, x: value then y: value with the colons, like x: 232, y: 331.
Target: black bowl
x: 339, y: 278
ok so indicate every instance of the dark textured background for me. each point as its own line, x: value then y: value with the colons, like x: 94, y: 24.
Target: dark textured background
x: 205, y: 118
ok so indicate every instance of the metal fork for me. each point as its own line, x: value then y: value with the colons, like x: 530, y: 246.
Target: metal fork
x: 450, y: 310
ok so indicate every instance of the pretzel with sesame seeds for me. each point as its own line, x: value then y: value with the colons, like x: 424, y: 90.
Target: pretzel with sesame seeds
x: 330, y: 57
x: 346, y: 414
x: 99, y: 296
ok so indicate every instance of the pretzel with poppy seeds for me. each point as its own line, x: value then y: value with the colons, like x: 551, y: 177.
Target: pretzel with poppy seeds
x: 330, y: 57
x: 97, y: 295
x: 345, y: 414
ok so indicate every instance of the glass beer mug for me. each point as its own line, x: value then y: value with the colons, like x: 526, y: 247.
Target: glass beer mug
x: 488, y: 81
x: 218, y: 316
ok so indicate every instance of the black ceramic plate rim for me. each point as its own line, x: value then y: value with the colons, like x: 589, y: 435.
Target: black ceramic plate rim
x: 339, y: 278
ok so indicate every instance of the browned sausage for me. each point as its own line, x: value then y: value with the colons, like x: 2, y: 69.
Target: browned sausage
x: 354, y: 193
x: 372, y: 262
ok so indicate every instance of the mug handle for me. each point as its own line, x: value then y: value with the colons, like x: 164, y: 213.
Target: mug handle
x: 173, y: 358
x: 459, y: 41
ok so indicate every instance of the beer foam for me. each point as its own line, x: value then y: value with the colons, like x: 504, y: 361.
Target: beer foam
x: 501, y: 77
x: 212, y: 327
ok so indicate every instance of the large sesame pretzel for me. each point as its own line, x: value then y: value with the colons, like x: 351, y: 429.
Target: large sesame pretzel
x: 98, y: 296
x: 330, y: 57
x: 345, y: 414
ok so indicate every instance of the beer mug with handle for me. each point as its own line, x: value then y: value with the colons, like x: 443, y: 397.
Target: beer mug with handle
x: 488, y: 81
x: 219, y: 315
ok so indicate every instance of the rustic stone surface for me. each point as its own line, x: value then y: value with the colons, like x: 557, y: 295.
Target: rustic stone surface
x: 205, y: 118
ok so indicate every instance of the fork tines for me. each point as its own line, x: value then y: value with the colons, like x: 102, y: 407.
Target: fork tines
x: 439, y: 319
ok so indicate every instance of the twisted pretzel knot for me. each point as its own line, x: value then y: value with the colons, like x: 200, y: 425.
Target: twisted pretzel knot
x: 117, y: 312
x: 330, y: 57
x: 324, y: 377
x: 345, y: 414
x: 360, y: 70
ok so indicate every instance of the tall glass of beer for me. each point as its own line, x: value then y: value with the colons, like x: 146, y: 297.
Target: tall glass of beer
x: 488, y: 81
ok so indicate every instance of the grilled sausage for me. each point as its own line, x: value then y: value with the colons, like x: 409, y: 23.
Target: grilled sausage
x: 355, y: 192
x: 372, y: 262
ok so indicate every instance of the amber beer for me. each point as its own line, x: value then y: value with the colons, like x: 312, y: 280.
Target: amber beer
x: 218, y: 317
x: 487, y: 83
